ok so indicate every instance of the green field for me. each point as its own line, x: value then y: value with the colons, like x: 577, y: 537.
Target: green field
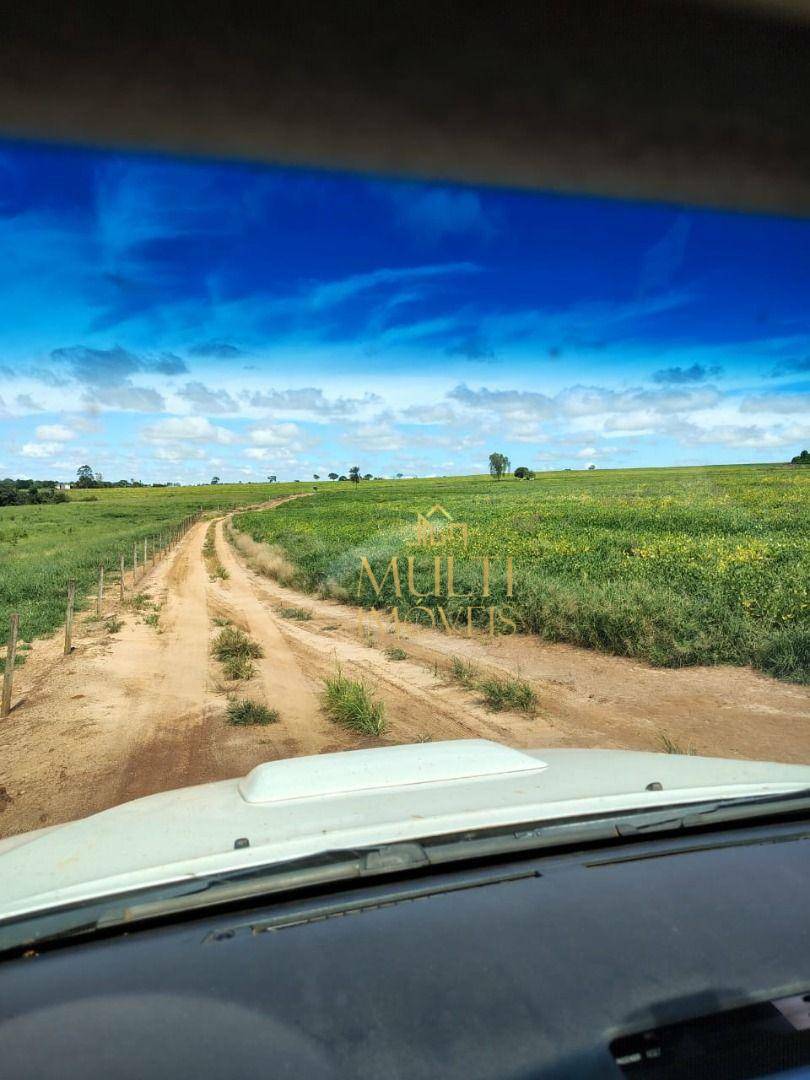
x: 42, y: 546
x: 674, y: 566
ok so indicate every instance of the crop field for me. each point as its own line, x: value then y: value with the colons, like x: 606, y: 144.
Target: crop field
x: 673, y: 566
x: 42, y: 546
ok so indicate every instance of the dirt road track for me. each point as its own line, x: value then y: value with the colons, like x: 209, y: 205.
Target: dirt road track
x: 144, y: 710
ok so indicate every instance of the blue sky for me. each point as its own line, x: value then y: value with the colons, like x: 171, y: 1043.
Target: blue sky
x: 173, y: 320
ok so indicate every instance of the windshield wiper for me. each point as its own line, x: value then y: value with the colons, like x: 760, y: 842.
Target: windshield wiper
x: 333, y: 867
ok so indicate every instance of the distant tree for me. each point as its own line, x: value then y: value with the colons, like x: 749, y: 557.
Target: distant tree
x: 354, y: 474
x: 522, y: 473
x: 368, y: 476
x: 801, y: 459
x: 86, y: 477
x: 272, y: 479
x: 343, y: 478
x: 315, y: 476
x: 399, y: 476
x: 591, y: 468
x: 498, y: 465
x: 214, y: 479
x: 333, y: 476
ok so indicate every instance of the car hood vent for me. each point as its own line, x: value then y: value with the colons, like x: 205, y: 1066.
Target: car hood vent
x: 325, y: 775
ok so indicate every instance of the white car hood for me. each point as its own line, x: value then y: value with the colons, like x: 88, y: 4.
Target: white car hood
x: 289, y: 809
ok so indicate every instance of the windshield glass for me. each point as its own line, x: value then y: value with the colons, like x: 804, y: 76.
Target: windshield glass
x: 300, y: 462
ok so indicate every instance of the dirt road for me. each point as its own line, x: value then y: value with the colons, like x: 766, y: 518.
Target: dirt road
x: 142, y: 709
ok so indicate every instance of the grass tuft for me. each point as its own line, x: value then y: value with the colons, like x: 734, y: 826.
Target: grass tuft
x: 238, y: 667
x: 669, y: 745
x: 499, y: 692
x: 396, y: 654
x: 464, y: 672
x: 113, y: 624
x: 508, y: 692
x: 245, y: 712
x: 232, y: 642
x: 349, y: 702
x: 299, y: 613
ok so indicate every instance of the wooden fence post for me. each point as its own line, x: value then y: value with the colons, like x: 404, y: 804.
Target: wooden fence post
x: 134, y: 563
x: 144, y: 555
x: 71, y: 596
x: 121, y: 581
x: 11, y: 652
x: 100, y: 598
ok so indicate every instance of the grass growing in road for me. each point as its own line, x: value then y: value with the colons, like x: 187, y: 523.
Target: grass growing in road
x: 499, y: 691
x: 669, y: 746
x: 243, y: 711
x: 238, y: 668
x: 299, y: 613
x: 508, y: 692
x: 212, y: 564
x: 231, y: 643
x: 113, y: 624
x: 349, y: 702
x: 464, y: 672
x: 236, y: 652
x: 396, y: 654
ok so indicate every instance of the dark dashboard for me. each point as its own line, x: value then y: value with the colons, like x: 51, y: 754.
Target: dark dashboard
x: 552, y: 966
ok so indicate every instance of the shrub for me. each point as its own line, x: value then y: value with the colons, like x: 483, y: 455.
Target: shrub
x: 396, y: 654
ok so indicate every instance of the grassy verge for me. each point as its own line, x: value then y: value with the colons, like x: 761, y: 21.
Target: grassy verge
x: 349, y: 702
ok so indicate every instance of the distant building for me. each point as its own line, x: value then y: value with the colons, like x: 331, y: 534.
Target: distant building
x: 63, y: 487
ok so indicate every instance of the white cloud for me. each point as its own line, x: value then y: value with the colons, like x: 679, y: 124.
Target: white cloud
x: 178, y: 452
x: 777, y: 403
x: 276, y: 435
x: 751, y: 436
x: 55, y: 432
x: 40, y: 450
x: 196, y: 428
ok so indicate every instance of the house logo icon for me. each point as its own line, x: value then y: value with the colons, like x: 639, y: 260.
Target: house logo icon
x: 437, y: 524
